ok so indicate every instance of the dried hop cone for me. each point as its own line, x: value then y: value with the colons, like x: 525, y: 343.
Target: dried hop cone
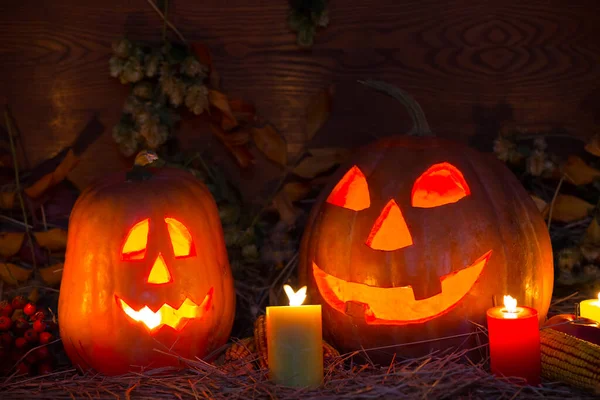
x: 155, y: 134
x: 133, y: 105
x: 192, y: 67
x: 132, y: 71
x: 116, y: 65
x: 144, y: 90
x: 122, y: 47
x: 153, y: 62
x: 196, y: 98
x: 125, y: 137
x: 536, y: 163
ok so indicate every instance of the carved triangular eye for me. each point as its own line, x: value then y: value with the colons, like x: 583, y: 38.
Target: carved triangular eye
x: 134, y: 247
x: 181, y: 238
x: 351, y: 192
x: 390, y: 231
x: 441, y: 184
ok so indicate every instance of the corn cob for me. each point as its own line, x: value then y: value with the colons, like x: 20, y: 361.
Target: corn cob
x: 258, y: 345
x: 569, y: 359
x: 240, y: 350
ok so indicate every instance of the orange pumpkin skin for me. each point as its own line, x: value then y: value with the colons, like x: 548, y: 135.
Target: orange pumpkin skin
x: 96, y: 332
x: 493, y: 218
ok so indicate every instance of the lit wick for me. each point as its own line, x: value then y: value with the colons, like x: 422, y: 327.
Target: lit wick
x: 510, y: 310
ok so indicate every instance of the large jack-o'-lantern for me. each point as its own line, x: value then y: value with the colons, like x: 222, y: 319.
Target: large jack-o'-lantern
x: 413, y: 240
x: 146, y: 273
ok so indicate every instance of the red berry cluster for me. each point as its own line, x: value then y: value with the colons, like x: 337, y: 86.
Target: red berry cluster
x: 22, y: 328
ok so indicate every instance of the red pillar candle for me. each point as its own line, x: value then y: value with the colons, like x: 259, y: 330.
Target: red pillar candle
x: 514, y: 337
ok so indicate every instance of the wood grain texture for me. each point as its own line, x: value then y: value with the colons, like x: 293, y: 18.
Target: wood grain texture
x: 473, y: 65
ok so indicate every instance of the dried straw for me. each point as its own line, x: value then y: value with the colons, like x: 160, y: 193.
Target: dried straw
x: 444, y: 377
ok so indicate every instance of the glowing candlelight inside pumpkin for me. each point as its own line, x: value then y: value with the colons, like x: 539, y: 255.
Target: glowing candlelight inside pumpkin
x: 514, y: 338
x: 295, y: 342
x: 590, y: 309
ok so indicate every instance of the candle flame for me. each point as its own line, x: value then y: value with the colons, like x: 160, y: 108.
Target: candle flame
x: 598, y: 296
x: 296, y: 298
x: 510, y: 303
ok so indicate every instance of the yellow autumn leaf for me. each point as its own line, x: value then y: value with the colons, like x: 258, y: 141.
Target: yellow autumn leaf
x: 60, y: 173
x: 578, y: 172
x: 569, y: 208
x: 219, y: 101
x: 296, y: 190
x: 338, y: 154
x: 318, y: 111
x: 287, y: 211
x: 593, y: 145
x: 52, y: 239
x: 541, y: 204
x: 592, y: 233
x: 7, y: 200
x: 14, y: 274
x: 270, y: 143
x: 10, y: 243
x: 312, y: 166
x: 52, y: 274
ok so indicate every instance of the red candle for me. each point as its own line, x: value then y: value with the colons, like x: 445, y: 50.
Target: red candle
x: 514, y: 337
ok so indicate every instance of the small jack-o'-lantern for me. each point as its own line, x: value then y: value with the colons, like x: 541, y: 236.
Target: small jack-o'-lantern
x: 146, y: 269
x: 413, y: 240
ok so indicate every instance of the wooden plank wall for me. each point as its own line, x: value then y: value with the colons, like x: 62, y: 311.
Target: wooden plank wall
x: 472, y: 64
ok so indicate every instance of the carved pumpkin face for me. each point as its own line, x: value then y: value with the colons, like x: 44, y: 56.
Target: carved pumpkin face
x: 134, y: 249
x: 414, y: 238
x: 146, y: 268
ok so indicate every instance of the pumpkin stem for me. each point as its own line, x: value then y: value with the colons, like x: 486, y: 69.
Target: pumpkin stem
x: 144, y: 159
x: 420, y: 124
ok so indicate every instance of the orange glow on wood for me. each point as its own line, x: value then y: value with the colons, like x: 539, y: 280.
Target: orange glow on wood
x: 176, y: 318
x: 351, y: 192
x: 441, y: 184
x: 398, y: 306
x: 159, y: 273
x: 136, y: 241
x: 390, y: 231
x: 181, y: 238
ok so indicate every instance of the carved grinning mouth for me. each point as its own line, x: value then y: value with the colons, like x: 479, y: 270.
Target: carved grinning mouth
x: 397, y: 305
x: 176, y: 318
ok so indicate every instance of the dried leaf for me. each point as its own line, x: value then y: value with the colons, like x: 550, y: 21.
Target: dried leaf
x: 219, y: 101
x: 236, y: 138
x: 339, y: 154
x: 60, y: 172
x: 51, y: 275
x: 296, y: 190
x: 7, y: 200
x: 52, y: 239
x: 312, y: 166
x: 592, y: 233
x: 202, y: 53
x: 287, y: 211
x: 593, y: 146
x: 270, y: 143
x: 241, y: 153
x: 569, y: 208
x: 242, y: 111
x: 14, y: 274
x: 578, y: 172
x: 318, y: 111
x: 541, y: 204
x: 10, y: 243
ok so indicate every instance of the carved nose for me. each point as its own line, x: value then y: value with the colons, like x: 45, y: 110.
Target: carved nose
x: 159, y: 274
x: 390, y: 231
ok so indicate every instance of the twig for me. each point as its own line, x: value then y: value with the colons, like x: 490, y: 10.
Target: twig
x: 562, y: 178
x: 164, y: 28
x: 166, y: 21
x: 13, y: 152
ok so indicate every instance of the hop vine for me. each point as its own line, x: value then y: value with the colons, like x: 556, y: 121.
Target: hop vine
x: 161, y: 80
